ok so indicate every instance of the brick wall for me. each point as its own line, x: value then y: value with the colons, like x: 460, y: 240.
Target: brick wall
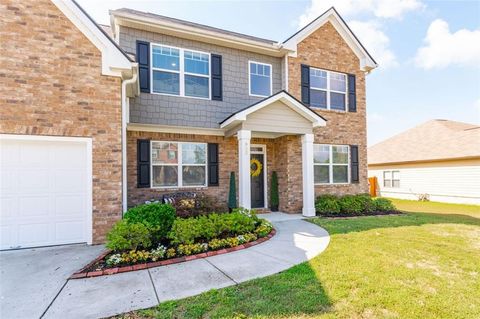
x: 52, y: 85
x: 290, y: 182
x: 326, y: 49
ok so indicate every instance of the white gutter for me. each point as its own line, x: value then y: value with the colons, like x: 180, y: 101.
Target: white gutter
x: 125, y: 115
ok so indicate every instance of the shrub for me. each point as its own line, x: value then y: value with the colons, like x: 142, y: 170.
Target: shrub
x: 367, y: 203
x: 134, y: 256
x: 383, y: 205
x: 232, y: 192
x: 158, y: 218
x: 327, y: 204
x: 274, y: 201
x: 128, y: 236
x: 350, y: 204
x: 250, y: 237
x: 215, y: 244
x: 189, y: 230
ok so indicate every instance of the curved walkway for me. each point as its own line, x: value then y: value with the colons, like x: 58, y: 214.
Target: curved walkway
x: 296, y: 241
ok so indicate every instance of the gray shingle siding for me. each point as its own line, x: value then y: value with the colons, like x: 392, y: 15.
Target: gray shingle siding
x: 182, y: 111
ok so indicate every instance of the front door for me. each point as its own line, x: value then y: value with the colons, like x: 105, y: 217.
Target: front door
x: 257, y: 178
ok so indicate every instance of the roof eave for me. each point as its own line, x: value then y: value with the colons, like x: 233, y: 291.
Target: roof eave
x: 189, y: 32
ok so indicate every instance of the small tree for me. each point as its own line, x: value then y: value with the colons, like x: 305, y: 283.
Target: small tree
x: 274, y: 193
x: 232, y: 195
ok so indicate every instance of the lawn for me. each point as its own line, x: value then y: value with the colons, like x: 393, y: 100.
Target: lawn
x: 436, y: 207
x: 407, y: 266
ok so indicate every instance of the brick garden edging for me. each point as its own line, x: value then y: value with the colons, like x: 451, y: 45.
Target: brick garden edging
x: 110, y: 271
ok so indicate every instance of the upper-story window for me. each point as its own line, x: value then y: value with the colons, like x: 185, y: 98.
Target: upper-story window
x: 181, y: 72
x: 328, y: 90
x: 260, y: 79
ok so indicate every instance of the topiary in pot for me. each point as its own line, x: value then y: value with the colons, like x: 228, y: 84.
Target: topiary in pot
x: 274, y: 201
x: 232, y: 194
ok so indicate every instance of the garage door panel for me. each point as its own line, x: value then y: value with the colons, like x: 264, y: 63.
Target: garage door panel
x: 33, y: 207
x: 45, y: 191
x: 32, y: 180
x: 33, y: 234
x: 70, y: 232
x: 69, y: 181
x: 72, y: 206
x: 74, y: 157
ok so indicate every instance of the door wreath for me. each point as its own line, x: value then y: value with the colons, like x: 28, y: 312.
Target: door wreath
x: 255, y: 167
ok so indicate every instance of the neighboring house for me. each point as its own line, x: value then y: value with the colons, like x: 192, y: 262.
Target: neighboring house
x: 438, y: 160
x: 84, y: 137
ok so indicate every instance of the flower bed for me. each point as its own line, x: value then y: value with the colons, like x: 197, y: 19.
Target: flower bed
x: 151, y: 235
x: 353, y: 205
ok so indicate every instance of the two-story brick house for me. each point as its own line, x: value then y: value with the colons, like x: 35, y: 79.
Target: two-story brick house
x: 91, y: 124
x: 213, y: 101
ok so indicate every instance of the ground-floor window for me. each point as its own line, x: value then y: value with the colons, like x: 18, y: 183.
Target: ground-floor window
x: 391, y: 179
x: 178, y: 164
x: 331, y: 164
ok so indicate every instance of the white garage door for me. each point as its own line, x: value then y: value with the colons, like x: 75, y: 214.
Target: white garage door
x: 45, y: 185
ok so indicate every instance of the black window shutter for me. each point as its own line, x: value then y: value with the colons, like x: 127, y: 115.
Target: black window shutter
x: 143, y: 163
x: 143, y: 59
x: 217, y: 90
x: 354, y: 163
x: 305, y: 83
x: 352, y: 97
x: 213, y: 164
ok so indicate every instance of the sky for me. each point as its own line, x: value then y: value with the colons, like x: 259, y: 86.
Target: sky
x: 428, y: 51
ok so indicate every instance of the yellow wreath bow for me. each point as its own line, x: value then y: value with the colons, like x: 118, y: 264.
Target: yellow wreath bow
x: 258, y: 167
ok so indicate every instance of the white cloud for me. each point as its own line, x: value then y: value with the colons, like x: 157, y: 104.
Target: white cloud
x: 443, y: 48
x: 379, y: 8
x: 376, y: 42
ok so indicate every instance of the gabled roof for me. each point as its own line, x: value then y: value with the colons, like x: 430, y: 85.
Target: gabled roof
x: 200, y: 32
x: 282, y: 96
x: 115, y: 61
x: 367, y: 62
x: 431, y: 141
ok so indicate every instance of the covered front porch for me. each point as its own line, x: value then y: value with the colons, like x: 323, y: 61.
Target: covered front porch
x: 275, y: 134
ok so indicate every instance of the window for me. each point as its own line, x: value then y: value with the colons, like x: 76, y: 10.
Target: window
x: 391, y: 179
x: 178, y: 164
x: 260, y: 78
x: 328, y: 90
x: 180, y: 72
x: 331, y: 164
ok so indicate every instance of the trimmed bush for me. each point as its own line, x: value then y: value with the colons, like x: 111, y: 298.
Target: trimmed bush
x: 128, y: 236
x: 205, y: 228
x: 367, y: 203
x: 350, y: 204
x: 383, y: 205
x: 327, y: 204
x: 158, y: 218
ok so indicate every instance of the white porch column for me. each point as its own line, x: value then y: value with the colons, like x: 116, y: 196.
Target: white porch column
x: 244, y: 199
x: 307, y: 172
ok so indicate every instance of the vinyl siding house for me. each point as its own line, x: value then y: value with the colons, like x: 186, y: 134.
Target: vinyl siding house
x: 93, y: 123
x: 438, y: 160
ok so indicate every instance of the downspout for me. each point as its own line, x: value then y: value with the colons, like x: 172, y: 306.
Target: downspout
x: 125, y: 116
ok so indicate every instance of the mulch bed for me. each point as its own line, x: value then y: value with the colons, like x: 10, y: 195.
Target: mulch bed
x: 393, y: 212
x: 98, y: 266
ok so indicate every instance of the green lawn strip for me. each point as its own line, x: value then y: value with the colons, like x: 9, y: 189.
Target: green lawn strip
x: 436, y: 207
x: 407, y: 266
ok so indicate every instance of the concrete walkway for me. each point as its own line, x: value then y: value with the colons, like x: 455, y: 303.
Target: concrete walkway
x: 56, y: 297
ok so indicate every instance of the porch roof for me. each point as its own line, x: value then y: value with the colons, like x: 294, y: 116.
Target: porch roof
x: 279, y: 113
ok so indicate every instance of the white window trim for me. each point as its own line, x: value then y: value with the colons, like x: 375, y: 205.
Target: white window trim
x: 249, y: 81
x: 328, y: 90
x: 181, y: 72
x: 391, y: 179
x: 179, y: 166
x: 331, y: 165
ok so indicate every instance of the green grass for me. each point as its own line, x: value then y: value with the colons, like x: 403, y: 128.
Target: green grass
x: 436, y: 207
x: 406, y: 266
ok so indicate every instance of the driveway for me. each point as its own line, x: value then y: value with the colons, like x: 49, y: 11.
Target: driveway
x: 35, y: 284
